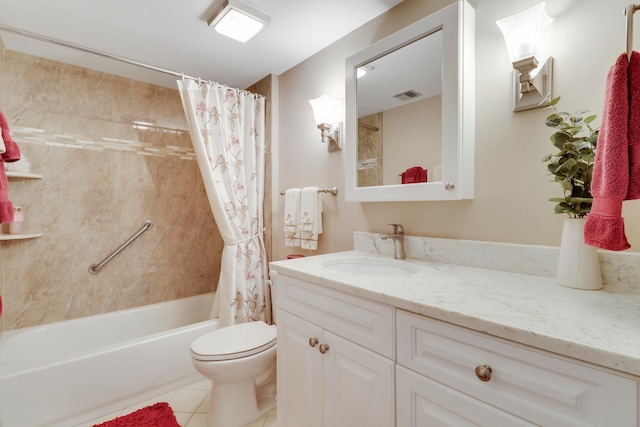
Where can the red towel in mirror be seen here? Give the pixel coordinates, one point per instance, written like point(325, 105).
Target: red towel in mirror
point(413, 175)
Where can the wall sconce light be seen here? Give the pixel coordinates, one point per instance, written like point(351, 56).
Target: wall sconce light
point(238, 20)
point(524, 35)
point(327, 114)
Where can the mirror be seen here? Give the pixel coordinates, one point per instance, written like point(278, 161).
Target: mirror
point(396, 102)
point(410, 112)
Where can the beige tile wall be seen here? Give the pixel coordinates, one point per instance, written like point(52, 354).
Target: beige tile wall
point(370, 150)
point(103, 177)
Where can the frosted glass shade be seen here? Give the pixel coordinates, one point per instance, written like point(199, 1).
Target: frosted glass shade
point(524, 33)
point(325, 110)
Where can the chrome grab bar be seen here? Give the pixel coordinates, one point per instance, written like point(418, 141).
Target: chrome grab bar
point(95, 268)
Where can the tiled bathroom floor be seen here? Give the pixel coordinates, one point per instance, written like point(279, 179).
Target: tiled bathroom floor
point(190, 405)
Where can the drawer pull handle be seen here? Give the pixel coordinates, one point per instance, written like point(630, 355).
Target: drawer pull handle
point(483, 373)
point(313, 342)
point(323, 348)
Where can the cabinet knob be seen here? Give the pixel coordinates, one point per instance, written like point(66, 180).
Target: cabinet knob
point(483, 372)
point(313, 342)
point(449, 186)
point(323, 348)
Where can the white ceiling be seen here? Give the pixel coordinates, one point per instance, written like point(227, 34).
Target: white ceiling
point(173, 34)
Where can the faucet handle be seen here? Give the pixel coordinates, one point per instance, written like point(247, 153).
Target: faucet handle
point(397, 228)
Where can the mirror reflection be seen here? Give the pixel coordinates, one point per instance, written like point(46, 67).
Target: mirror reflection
point(399, 108)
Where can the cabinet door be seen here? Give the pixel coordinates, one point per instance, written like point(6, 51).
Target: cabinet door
point(358, 385)
point(299, 373)
point(422, 402)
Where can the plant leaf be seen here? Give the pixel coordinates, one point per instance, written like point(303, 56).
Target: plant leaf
point(559, 209)
point(581, 200)
point(567, 165)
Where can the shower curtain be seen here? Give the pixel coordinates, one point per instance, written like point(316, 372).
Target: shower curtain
point(227, 130)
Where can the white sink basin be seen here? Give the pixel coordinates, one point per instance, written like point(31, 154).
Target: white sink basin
point(365, 266)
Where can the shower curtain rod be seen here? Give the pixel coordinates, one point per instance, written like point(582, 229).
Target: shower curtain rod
point(95, 52)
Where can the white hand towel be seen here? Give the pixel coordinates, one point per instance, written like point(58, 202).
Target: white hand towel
point(291, 217)
point(310, 218)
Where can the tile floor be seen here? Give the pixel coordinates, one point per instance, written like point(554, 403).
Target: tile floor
point(190, 405)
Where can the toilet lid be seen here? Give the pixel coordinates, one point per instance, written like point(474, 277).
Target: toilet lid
point(234, 342)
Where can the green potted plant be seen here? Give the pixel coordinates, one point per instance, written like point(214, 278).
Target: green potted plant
point(572, 165)
point(572, 168)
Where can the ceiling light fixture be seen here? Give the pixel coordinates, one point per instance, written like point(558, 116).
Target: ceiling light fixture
point(238, 20)
point(363, 70)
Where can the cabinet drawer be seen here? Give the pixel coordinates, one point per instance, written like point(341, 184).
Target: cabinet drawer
point(422, 402)
point(538, 387)
point(364, 322)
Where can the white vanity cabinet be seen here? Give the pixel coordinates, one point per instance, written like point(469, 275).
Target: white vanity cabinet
point(335, 358)
point(450, 376)
point(344, 360)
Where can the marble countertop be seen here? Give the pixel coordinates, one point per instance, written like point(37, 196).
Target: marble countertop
point(601, 327)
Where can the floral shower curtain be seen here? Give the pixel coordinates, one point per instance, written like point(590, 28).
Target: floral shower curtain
point(227, 130)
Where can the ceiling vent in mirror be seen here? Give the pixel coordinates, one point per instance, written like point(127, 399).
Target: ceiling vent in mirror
point(404, 96)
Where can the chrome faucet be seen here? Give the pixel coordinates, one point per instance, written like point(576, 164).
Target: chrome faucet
point(398, 240)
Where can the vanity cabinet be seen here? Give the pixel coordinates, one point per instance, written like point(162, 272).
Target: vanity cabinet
point(344, 360)
point(459, 377)
point(335, 366)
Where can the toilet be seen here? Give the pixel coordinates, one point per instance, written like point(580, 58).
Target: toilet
point(240, 361)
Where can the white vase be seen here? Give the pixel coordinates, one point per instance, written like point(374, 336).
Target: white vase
point(578, 264)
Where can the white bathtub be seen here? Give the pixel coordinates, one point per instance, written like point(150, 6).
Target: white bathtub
point(67, 373)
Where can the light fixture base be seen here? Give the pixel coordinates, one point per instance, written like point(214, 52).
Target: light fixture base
point(540, 88)
point(331, 136)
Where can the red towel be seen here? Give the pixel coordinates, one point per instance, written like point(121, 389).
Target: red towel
point(616, 171)
point(11, 155)
point(413, 175)
point(633, 192)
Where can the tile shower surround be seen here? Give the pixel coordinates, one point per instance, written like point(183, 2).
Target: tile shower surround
point(105, 172)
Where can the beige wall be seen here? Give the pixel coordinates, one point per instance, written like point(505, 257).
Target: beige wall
point(102, 179)
point(512, 186)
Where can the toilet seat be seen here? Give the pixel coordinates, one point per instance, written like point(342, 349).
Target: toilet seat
point(234, 342)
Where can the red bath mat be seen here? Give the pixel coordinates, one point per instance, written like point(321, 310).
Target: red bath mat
point(158, 415)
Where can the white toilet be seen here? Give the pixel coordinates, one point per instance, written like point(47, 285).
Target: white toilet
point(240, 361)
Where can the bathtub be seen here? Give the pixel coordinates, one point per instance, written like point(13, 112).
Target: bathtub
point(67, 373)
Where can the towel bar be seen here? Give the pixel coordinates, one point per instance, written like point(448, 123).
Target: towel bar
point(333, 190)
point(629, 11)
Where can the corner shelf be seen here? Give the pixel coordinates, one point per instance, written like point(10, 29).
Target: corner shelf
point(25, 175)
point(22, 236)
point(4, 236)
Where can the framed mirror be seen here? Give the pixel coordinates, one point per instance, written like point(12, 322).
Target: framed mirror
point(410, 112)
